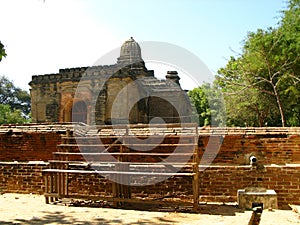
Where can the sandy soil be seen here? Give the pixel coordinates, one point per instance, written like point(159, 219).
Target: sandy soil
point(286, 217)
point(31, 209)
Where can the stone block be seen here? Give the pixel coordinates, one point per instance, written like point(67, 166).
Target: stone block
point(252, 196)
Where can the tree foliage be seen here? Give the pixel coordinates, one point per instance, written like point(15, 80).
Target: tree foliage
point(14, 101)
point(9, 116)
point(200, 101)
point(2, 51)
point(209, 105)
point(261, 84)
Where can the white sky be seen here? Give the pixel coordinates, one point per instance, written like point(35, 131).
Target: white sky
point(41, 37)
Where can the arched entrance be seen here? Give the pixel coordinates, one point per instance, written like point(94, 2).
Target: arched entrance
point(79, 112)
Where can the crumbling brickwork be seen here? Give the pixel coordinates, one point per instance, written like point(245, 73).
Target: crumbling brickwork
point(217, 183)
point(220, 183)
point(277, 166)
point(268, 149)
point(234, 149)
point(22, 177)
point(33, 146)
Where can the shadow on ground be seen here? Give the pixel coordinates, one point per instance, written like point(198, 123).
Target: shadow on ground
point(208, 208)
point(60, 218)
point(211, 209)
point(220, 209)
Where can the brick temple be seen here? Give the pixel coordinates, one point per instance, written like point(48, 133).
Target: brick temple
point(88, 94)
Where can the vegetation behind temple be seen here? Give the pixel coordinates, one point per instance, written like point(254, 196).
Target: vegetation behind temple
point(2, 51)
point(261, 85)
point(14, 103)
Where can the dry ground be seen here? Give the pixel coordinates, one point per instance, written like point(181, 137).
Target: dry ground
point(31, 209)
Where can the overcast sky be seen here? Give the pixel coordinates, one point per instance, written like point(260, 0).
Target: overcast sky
point(41, 37)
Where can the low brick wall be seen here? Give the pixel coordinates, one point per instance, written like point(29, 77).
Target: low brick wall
point(22, 177)
point(233, 149)
point(217, 183)
point(31, 146)
point(220, 183)
point(269, 148)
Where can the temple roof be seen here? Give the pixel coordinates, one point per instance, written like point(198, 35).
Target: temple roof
point(130, 52)
point(152, 84)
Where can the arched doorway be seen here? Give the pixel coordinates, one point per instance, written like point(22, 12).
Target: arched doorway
point(79, 112)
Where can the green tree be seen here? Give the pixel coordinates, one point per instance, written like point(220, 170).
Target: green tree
point(200, 102)
point(2, 51)
point(9, 116)
point(15, 102)
point(290, 27)
point(13, 96)
point(260, 85)
point(208, 103)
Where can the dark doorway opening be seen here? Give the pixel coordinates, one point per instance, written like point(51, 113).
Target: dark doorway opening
point(79, 112)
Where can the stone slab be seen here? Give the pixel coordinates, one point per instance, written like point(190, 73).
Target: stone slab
point(246, 197)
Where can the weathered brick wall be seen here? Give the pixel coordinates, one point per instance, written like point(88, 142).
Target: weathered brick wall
point(269, 149)
point(28, 146)
point(234, 150)
point(217, 183)
point(22, 177)
point(220, 183)
point(89, 184)
point(93, 184)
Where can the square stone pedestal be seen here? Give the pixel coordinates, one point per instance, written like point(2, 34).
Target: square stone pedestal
point(249, 197)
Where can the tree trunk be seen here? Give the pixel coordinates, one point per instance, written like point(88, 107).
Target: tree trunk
point(260, 119)
point(279, 106)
